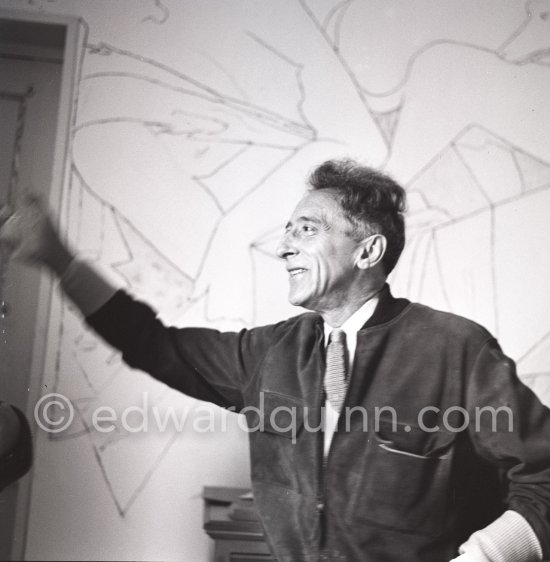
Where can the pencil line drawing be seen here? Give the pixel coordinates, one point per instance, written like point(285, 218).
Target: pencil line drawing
point(180, 177)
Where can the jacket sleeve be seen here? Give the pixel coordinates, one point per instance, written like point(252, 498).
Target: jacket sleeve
point(202, 363)
point(510, 427)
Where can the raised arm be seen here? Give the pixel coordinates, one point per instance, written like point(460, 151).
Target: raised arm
point(206, 364)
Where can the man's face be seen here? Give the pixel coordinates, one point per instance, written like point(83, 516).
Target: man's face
point(319, 254)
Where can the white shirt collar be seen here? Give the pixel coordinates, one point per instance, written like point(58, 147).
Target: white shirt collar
point(356, 321)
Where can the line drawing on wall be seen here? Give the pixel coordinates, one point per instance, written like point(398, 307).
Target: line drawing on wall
point(188, 214)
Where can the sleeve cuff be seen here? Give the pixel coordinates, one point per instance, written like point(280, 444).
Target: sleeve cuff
point(86, 287)
point(508, 539)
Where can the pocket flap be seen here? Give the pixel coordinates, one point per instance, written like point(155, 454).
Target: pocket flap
point(410, 439)
point(279, 414)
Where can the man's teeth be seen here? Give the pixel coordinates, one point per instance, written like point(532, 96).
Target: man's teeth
point(294, 272)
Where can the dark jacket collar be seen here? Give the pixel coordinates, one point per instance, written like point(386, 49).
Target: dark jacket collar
point(387, 308)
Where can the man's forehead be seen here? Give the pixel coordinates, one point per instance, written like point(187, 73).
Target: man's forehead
point(319, 203)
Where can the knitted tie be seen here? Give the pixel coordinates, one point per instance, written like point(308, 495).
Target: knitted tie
point(335, 377)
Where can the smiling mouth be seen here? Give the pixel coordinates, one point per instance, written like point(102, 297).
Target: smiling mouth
point(296, 271)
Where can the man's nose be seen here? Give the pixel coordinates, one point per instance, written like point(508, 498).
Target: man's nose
point(285, 247)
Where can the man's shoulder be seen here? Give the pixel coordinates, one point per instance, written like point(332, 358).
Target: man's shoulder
point(449, 323)
point(304, 321)
point(421, 319)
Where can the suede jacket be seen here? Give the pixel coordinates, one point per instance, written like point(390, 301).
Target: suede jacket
point(438, 439)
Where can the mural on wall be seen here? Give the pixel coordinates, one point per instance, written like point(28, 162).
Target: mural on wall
point(194, 131)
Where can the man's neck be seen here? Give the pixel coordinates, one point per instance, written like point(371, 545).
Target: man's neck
point(337, 316)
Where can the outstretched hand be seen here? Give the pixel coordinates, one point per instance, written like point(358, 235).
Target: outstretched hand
point(29, 235)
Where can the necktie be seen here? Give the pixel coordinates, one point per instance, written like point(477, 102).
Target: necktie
point(335, 377)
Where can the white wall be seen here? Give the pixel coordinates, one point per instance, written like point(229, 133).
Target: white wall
point(195, 125)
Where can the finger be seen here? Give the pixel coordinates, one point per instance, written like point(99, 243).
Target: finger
point(9, 230)
point(5, 214)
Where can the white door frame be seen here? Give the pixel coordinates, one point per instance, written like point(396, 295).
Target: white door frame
point(60, 176)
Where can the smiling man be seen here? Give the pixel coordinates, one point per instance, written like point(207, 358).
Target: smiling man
point(412, 437)
point(330, 260)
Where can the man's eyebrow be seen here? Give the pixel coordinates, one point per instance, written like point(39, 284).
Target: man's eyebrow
point(321, 221)
point(316, 220)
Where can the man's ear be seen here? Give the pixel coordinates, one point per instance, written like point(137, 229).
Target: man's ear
point(371, 251)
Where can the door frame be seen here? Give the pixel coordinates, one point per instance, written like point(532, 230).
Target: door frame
point(71, 66)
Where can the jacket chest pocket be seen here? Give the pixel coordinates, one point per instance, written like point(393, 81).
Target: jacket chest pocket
point(275, 426)
point(406, 480)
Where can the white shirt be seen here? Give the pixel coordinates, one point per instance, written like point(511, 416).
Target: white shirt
point(350, 327)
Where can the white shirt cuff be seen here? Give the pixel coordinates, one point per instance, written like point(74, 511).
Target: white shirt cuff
point(508, 539)
point(86, 287)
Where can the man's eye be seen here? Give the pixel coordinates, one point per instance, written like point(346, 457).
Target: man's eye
point(308, 229)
